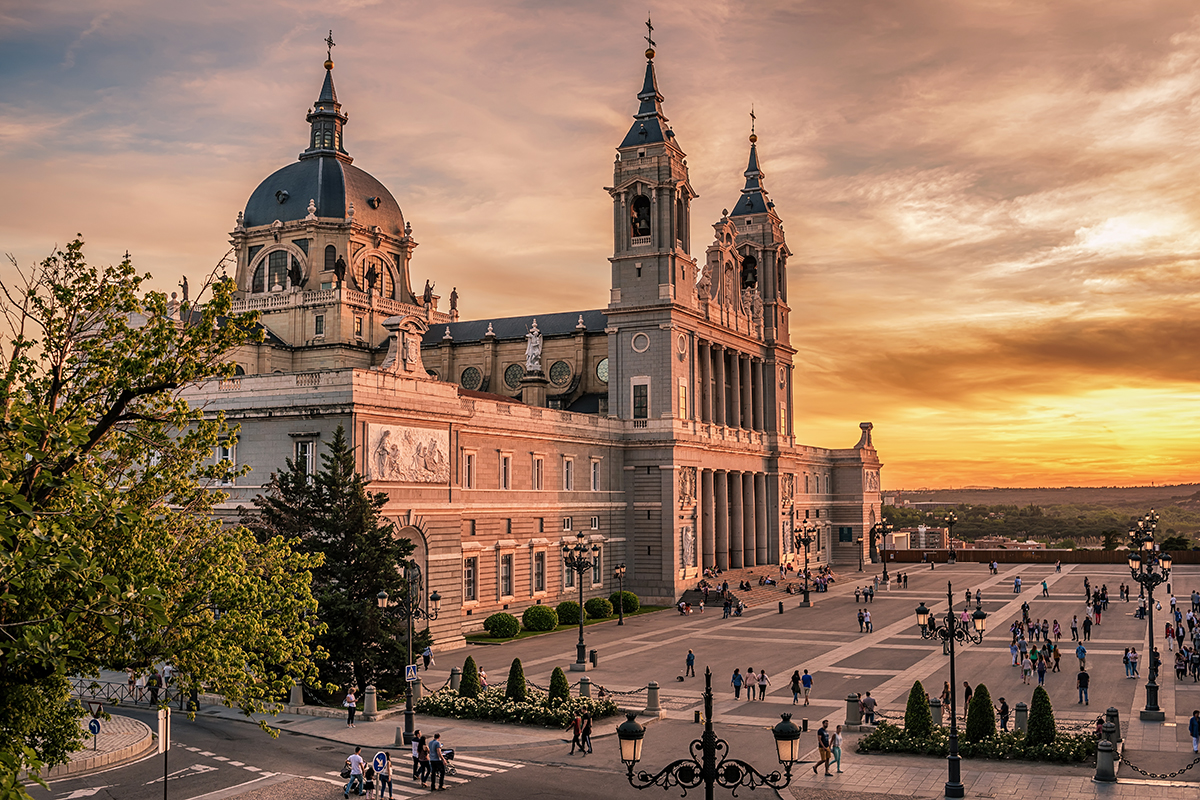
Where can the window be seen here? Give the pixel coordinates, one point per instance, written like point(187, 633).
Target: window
point(505, 472)
point(682, 399)
point(569, 579)
point(641, 400)
point(225, 453)
point(470, 575)
point(277, 269)
point(259, 283)
point(358, 326)
point(541, 524)
point(506, 575)
point(568, 475)
point(330, 257)
point(319, 325)
point(306, 456)
point(595, 476)
point(602, 370)
point(845, 534)
point(560, 373)
point(596, 573)
point(539, 472)
point(539, 572)
point(471, 379)
point(468, 477)
point(639, 216)
point(566, 523)
point(513, 374)
point(595, 523)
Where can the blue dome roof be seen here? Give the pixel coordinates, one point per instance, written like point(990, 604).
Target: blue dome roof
point(333, 185)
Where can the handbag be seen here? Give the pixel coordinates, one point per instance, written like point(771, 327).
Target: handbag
point(346, 772)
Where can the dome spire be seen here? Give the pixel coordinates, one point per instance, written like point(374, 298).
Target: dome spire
point(754, 199)
point(326, 117)
point(649, 123)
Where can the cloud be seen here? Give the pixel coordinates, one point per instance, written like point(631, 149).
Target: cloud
point(69, 56)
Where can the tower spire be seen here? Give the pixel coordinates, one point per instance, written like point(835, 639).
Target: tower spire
point(754, 199)
point(326, 117)
point(649, 123)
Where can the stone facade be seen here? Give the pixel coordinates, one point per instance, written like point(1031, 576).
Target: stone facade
point(660, 427)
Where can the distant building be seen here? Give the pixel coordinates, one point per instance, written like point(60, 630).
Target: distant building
point(1001, 543)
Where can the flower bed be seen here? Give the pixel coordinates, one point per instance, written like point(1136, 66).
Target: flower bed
point(1066, 747)
point(492, 705)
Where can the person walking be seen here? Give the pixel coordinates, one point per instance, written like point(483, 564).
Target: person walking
point(691, 665)
point(857, 594)
point(355, 763)
point(1081, 654)
point(824, 747)
point(1045, 589)
point(1194, 730)
point(836, 747)
point(736, 682)
point(1081, 681)
point(868, 704)
point(1015, 653)
point(576, 733)
point(437, 765)
point(1074, 627)
point(385, 776)
point(1056, 654)
point(1125, 661)
point(1087, 628)
point(806, 681)
point(867, 620)
point(427, 657)
point(946, 694)
point(763, 683)
point(585, 735)
point(861, 621)
point(1003, 711)
point(423, 758)
point(1057, 631)
point(1133, 662)
point(795, 687)
point(1026, 670)
point(1041, 671)
point(351, 704)
point(416, 754)
point(967, 692)
point(1045, 630)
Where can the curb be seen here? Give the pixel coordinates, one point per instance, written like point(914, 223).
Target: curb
point(113, 758)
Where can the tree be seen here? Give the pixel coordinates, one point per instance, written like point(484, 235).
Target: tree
point(918, 720)
point(468, 685)
point(1041, 718)
point(110, 557)
point(516, 689)
point(1111, 539)
point(981, 716)
point(331, 515)
point(559, 688)
point(1174, 544)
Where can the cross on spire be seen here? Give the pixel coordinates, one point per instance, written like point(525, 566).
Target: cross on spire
point(329, 44)
point(752, 118)
point(649, 32)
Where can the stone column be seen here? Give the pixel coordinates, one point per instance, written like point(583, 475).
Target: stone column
point(735, 389)
point(708, 546)
point(737, 519)
point(720, 480)
point(705, 398)
point(760, 423)
point(762, 546)
point(718, 394)
point(747, 394)
point(749, 533)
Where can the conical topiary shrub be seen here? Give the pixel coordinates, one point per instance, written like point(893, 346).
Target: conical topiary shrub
point(515, 688)
point(469, 685)
point(981, 716)
point(559, 688)
point(918, 721)
point(1041, 719)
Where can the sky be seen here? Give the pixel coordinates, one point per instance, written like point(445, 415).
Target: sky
point(992, 206)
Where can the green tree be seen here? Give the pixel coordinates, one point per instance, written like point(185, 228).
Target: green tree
point(469, 685)
point(981, 716)
point(559, 688)
point(1173, 544)
point(1041, 719)
point(110, 557)
point(331, 515)
point(1111, 539)
point(516, 689)
point(918, 720)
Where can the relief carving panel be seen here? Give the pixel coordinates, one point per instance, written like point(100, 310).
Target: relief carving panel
point(409, 455)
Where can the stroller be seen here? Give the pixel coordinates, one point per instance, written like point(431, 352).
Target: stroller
point(448, 755)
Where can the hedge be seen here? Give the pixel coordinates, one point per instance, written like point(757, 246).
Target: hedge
point(598, 608)
point(568, 612)
point(632, 603)
point(493, 704)
point(918, 720)
point(539, 618)
point(1041, 718)
point(469, 685)
point(981, 716)
point(1002, 745)
point(502, 625)
point(515, 689)
point(559, 688)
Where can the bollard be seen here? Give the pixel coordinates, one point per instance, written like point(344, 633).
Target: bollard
point(1105, 772)
point(804, 725)
point(297, 698)
point(455, 678)
point(370, 705)
point(1022, 718)
point(1110, 733)
point(416, 692)
point(696, 718)
point(1114, 716)
point(853, 712)
point(585, 686)
point(780, 606)
point(400, 738)
point(935, 710)
point(594, 657)
point(653, 709)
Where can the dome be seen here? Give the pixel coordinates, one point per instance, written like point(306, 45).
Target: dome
point(333, 185)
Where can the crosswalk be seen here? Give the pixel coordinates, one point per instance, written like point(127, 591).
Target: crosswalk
point(466, 768)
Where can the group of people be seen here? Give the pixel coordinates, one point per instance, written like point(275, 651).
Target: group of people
point(429, 757)
point(750, 680)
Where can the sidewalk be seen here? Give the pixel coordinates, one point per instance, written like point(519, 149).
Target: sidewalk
point(121, 739)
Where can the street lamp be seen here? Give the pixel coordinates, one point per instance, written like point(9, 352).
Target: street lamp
point(950, 520)
point(411, 607)
point(729, 773)
point(950, 631)
point(1149, 568)
point(804, 537)
point(619, 574)
point(878, 530)
point(579, 558)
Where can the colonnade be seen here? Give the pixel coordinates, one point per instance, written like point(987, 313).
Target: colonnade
point(732, 388)
point(733, 530)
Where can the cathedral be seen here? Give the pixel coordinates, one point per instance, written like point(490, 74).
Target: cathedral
point(658, 426)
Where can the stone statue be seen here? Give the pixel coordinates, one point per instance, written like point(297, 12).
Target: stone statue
point(295, 274)
point(533, 349)
point(704, 285)
point(454, 299)
point(184, 286)
point(427, 295)
point(372, 276)
point(339, 269)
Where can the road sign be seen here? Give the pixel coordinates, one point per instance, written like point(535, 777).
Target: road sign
point(94, 727)
point(164, 730)
point(96, 708)
point(410, 673)
point(379, 761)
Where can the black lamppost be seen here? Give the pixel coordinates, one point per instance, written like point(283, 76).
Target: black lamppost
point(950, 631)
point(951, 520)
point(619, 574)
point(578, 558)
point(804, 537)
point(879, 530)
point(411, 607)
point(702, 766)
point(1149, 568)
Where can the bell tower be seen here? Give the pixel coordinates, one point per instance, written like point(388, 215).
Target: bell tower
point(652, 199)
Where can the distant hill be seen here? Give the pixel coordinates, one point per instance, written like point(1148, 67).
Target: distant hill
point(1138, 497)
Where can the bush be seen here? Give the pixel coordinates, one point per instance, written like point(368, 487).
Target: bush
point(502, 626)
point(632, 603)
point(539, 618)
point(469, 685)
point(568, 612)
point(598, 608)
point(515, 689)
point(918, 720)
point(560, 690)
point(494, 705)
point(1002, 745)
point(981, 716)
point(1041, 718)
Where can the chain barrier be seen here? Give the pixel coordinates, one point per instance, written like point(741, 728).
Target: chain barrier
point(1118, 758)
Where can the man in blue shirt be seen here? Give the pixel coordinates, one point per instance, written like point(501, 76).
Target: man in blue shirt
point(1081, 654)
point(437, 767)
point(691, 665)
point(806, 682)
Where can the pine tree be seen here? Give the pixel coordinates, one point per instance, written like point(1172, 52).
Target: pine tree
point(918, 720)
point(1041, 718)
point(981, 716)
point(559, 688)
point(469, 685)
point(515, 689)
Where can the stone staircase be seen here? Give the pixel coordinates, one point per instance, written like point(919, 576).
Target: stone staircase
point(756, 596)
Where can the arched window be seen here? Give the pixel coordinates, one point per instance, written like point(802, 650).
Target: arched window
point(330, 257)
point(277, 263)
point(749, 271)
point(259, 283)
point(680, 220)
point(639, 218)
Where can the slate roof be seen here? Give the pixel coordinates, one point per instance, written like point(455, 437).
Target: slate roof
point(333, 184)
point(508, 328)
point(754, 198)
point(649, 124)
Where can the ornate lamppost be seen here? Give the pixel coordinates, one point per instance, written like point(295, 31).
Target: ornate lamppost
point(702, 767)
point(578, 558)
point(803, 538)
point(952, 630)
point(410, 605)
point(1149, 568)
point(950, 521)
point(879, 531)
point(619, 574)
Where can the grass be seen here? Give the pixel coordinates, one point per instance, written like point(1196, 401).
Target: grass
point(486, 638)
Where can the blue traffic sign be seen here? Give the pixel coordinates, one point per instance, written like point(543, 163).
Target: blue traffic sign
point(379, 761)
point(94, 726)
point(410, 673)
